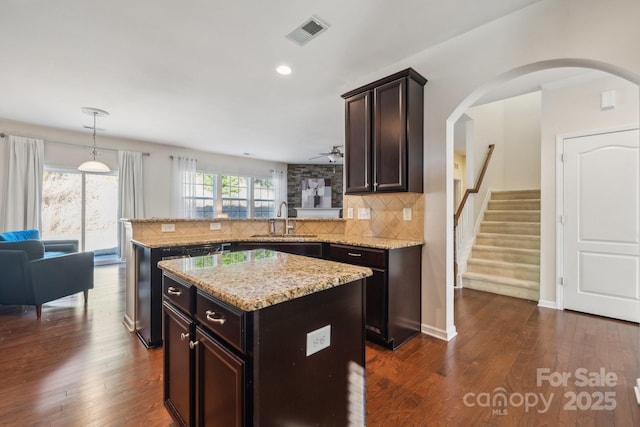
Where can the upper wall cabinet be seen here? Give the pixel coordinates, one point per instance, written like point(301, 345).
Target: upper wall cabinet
point(384, 131)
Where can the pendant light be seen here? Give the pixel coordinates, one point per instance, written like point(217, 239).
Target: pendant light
point(94, 165)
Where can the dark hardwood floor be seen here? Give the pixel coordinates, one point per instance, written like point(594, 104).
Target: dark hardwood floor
point(78, 367)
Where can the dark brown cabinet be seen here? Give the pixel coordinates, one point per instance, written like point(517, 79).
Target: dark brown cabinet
point(178, 365)
point(220, 381)
point(384, 135)
point(392, 294)
point(227, 367)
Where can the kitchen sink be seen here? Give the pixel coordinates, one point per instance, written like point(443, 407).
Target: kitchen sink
point(290, 236)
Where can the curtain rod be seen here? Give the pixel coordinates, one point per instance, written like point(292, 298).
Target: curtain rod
point(2, 135)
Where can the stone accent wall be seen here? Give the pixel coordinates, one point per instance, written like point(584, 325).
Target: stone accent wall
point(295, 173)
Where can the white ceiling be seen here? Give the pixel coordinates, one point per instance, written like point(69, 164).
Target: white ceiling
point(201, 73)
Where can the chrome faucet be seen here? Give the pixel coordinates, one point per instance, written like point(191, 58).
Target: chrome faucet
point(287, 227)
point(284, 203)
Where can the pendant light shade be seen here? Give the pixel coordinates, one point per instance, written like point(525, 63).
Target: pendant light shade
point(94, 165)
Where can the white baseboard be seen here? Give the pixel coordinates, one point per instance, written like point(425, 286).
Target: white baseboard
point(128, 323)
point(548, 304)
point(439, 333)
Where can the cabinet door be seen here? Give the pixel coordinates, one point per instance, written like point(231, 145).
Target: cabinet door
point(390, 137)
point(358, 143)
point(220, 384)
point(376, 303)
point(178, 365)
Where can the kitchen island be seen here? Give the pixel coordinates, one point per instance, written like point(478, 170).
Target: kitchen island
point(264, 338)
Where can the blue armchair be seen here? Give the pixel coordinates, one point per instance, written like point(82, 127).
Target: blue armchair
point(29, 278)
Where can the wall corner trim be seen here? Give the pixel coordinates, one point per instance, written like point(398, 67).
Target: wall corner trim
point(439, 333)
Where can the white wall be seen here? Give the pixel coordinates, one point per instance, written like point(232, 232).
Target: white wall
point(551, 33)
point(574, 106)
point(157, 166)
point(513, 125)
point(522, 142)
point(488, 128)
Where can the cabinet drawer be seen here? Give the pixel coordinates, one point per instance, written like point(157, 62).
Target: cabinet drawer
point(222, 319)
point(178, 294)
point(360, 256)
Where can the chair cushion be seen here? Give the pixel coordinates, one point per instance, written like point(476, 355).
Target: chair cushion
point(18, 236)
point(51, 254)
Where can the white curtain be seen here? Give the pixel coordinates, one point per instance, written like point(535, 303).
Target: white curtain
point(280, 188)
point(183, 178)
point(130, 192)
point(25, 169)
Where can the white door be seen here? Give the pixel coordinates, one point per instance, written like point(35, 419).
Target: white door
point(601, 235)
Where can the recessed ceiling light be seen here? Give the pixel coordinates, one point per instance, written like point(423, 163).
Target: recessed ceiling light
point(285, 70)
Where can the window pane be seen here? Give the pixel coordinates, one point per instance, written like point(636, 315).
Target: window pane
point(235, 200)
point(263, 198)
point(201, 195)
point(101, 213)
point(62, 206)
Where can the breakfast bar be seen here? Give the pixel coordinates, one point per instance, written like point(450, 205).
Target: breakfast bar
point(261, 337)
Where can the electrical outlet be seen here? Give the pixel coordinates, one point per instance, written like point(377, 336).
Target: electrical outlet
point(364, 213)
point(318, 340)
point(349, 213)
point(406, 214)
point(215, 226)
point(168, 228)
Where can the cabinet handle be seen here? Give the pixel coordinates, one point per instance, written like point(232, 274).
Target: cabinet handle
point(211, 313)
point(173, 291)
point(193, 344)
point(184, 336)
point(353, 254)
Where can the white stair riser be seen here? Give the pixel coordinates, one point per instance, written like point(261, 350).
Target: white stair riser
point(510, 256)
point(512, 216)
point(529, 229)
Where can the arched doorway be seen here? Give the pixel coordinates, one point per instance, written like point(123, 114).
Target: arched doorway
point(548, 244)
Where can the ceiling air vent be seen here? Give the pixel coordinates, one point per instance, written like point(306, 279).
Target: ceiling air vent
point(309, 29)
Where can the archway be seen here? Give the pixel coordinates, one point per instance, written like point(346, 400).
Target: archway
point(469, 101)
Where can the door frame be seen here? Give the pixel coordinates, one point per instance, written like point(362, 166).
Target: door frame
point(560, 138)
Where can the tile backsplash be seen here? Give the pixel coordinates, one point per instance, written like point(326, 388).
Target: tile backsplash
point(386, 215)
point(386, 220)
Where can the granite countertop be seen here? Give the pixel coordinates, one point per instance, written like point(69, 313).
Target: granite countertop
point(362, 241)
point(251, 280)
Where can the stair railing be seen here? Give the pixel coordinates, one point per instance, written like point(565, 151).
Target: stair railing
point(457, 241)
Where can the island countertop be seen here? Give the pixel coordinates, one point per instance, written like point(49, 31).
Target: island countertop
point(251, 280)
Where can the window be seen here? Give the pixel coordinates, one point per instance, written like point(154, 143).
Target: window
point(263, 198)
point(235, 196)
point(82, 206)
point(201, 194)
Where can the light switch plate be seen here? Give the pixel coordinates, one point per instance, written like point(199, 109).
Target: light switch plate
point(168, 228)
point(349, 213)
point(364, 213)
point(215, 226)
point(406, 214)
point(318, 340)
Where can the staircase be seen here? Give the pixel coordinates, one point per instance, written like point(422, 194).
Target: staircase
point(505, 258)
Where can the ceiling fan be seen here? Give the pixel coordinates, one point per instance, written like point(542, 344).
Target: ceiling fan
point(334, 155)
